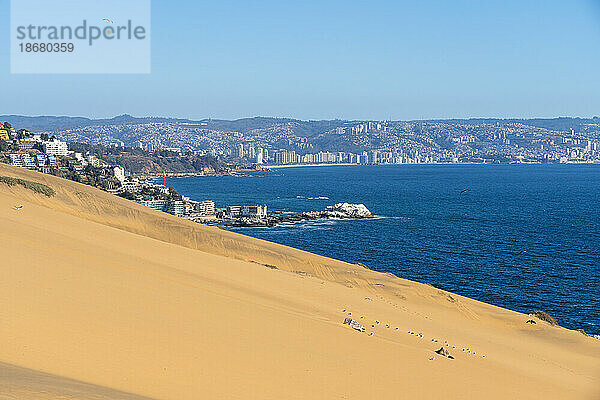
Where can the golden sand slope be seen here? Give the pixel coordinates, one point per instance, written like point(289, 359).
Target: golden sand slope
point(22, 383)
point(130, 301)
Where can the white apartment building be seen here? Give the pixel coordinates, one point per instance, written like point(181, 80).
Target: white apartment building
point(176, 207)
point(79, 157)
point(234, 211)
point(93, 160)
point(156, 204)
point(257, 212)
point(119, 173)
point(28, 161)
point(131, 185)
point(15, 160)
point(56, 147)
point(206, 207)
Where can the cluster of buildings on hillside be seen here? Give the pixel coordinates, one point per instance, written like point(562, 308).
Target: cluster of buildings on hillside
point(166, 199)
point(162, 198)
point(587, 152)
point(261, 155)
point(31, 150)
point(48, 160)
point(52, 156)
point(384, 142)
point(368, 142)
point(42, 162)
point(284, 157)
point(49, 155)
point(256, 212)
point(433, 142)
point(25, 140)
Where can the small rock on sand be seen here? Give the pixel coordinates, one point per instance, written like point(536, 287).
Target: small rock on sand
point(443, 352)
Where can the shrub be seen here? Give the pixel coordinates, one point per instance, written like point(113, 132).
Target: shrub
point(34, 186)
point(544, 316)
point(126, 195)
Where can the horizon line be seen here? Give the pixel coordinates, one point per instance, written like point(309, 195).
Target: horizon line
point(300, 119)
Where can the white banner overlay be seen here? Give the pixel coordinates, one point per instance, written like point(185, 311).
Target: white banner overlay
point(80, 37)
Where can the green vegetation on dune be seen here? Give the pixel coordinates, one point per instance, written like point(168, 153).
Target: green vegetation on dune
point(544, 316)
point(34, 186)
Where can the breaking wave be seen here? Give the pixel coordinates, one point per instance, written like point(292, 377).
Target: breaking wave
point(313, 198)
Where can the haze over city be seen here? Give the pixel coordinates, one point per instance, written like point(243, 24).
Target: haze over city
point(377, 60)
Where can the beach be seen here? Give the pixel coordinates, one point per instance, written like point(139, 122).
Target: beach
point(105, 297)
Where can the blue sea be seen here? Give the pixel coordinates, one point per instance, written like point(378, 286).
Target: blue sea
point(524, 237)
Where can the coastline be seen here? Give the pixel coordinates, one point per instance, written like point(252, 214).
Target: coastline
point(307, 165)
point(244, 171)
point(462, 163)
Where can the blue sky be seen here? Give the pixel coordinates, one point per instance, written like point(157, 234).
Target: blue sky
point(333, 59)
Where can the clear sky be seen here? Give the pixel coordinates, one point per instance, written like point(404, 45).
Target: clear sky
point(340, 59)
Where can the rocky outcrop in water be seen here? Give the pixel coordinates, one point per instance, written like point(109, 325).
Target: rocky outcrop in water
point(338, 211)
point(347, 210)
point(341, 210)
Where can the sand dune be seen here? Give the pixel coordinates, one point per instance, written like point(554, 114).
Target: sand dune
point(22, 383)
point(103, 297)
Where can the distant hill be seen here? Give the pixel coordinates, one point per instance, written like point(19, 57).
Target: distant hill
point(554, 124)
point(44, 123)
point(53, 123)
point(300, 127)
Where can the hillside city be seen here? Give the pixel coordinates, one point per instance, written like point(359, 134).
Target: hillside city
point(126, 157)
point(268, 141)
point(49, 155)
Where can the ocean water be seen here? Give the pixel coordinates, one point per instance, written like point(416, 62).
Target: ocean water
point(523, 237)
